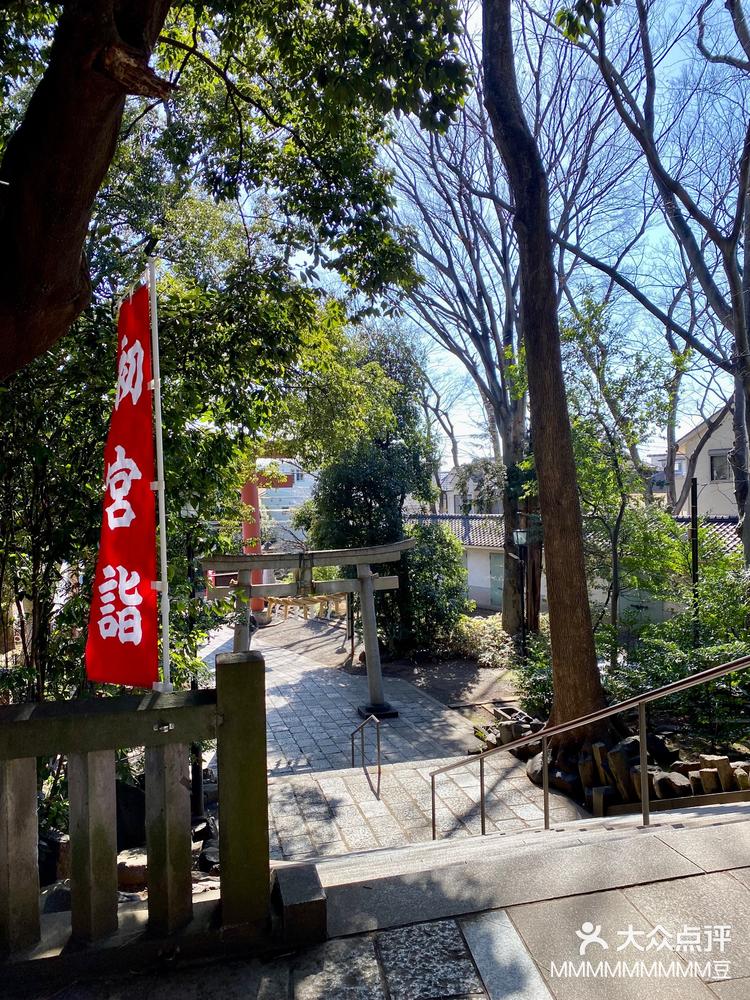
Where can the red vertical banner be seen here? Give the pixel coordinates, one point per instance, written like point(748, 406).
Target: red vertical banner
point(122, 645)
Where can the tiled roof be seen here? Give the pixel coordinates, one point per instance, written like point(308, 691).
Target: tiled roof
point(485, 531)
point(477, 531)
point(725, 528)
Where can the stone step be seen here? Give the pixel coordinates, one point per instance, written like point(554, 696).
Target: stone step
point(414, 858)
point(388, 888)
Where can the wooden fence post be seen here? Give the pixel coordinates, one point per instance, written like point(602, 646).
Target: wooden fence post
point(170, 886)
point(19, 860)
point(243, 789)
point(93, 844)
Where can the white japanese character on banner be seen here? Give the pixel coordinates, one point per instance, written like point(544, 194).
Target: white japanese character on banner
point(125, 623)
point(119, 478)
point(130, 373)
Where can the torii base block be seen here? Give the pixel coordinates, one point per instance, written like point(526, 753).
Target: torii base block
point(384, 711)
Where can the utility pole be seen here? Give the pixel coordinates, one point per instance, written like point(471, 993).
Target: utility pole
point(694, 557)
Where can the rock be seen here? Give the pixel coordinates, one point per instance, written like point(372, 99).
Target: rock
point(207, 828)
point(722, 767)
point(631, 745)
point(635, 777)
point(686, 766)
point(131, 815)
point(696, 784)
point(619, 766)
point(55, 898)
point(600, 797)
point(671, 785)
point(132, 870)
point(599, 750)
point(563, 781)
point(663, 754)
point(208, 860)
point(587, 770)
point(742, 777)
point(710, 779)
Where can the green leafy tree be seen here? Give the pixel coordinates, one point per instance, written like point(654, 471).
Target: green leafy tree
point(278, 97)
point(232, 357)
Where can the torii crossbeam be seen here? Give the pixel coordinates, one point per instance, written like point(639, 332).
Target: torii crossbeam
point(365, 584)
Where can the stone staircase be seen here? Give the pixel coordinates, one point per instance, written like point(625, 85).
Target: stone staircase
point(390, 887)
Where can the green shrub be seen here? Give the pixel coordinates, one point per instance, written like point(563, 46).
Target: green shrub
point(484, 640)
point(438, 590)
point(533, 677)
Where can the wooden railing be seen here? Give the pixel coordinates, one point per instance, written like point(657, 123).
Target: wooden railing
point(88, 732)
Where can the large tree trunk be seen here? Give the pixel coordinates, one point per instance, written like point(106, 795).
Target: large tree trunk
point(577, 685)
point(56, 161)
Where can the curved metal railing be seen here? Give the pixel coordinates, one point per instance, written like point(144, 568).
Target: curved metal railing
point(638, 701)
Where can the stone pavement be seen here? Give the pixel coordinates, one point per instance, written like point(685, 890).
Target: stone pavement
point(335, 812)
point(312, 711)
point(640, 942)
point(320, 805)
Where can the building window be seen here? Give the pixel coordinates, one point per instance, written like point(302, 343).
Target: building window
point(299, 476)
point(679, 467)
point(721, 471)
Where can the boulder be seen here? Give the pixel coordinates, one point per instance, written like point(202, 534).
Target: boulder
point(743, 778)
point(671, 785)
point(696, 783)
point(686, 766)
point(208, 860)
point(710, 779)
point(563, 781)
point(598, 798)
point(723, 769)
point(206, 828)
point(635, 777)
point(587, 770)
point(132, 870)
point(618, 760)
point(55, 898)
point(659, 749)
point(599, 750)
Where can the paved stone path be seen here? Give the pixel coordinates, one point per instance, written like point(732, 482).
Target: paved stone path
point(320, 805)
point(312, 710)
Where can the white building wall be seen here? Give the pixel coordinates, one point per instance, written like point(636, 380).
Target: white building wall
point(478, 566)
point(715, 498)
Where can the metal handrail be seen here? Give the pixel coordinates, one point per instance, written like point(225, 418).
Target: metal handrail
point(637, 701)
point(361, 730)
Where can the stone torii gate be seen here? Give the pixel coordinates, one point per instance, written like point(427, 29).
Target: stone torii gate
point(365, 584)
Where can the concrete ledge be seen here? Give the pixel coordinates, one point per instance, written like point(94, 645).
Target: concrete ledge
point(299, 902)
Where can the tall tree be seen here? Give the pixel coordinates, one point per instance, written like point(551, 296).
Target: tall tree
point(577, 684)
point(454, 206)
point(689, 121)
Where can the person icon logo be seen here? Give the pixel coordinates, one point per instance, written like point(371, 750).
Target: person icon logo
point(590, 934)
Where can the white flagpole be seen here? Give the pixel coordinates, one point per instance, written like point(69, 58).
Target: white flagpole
point(165, 684)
